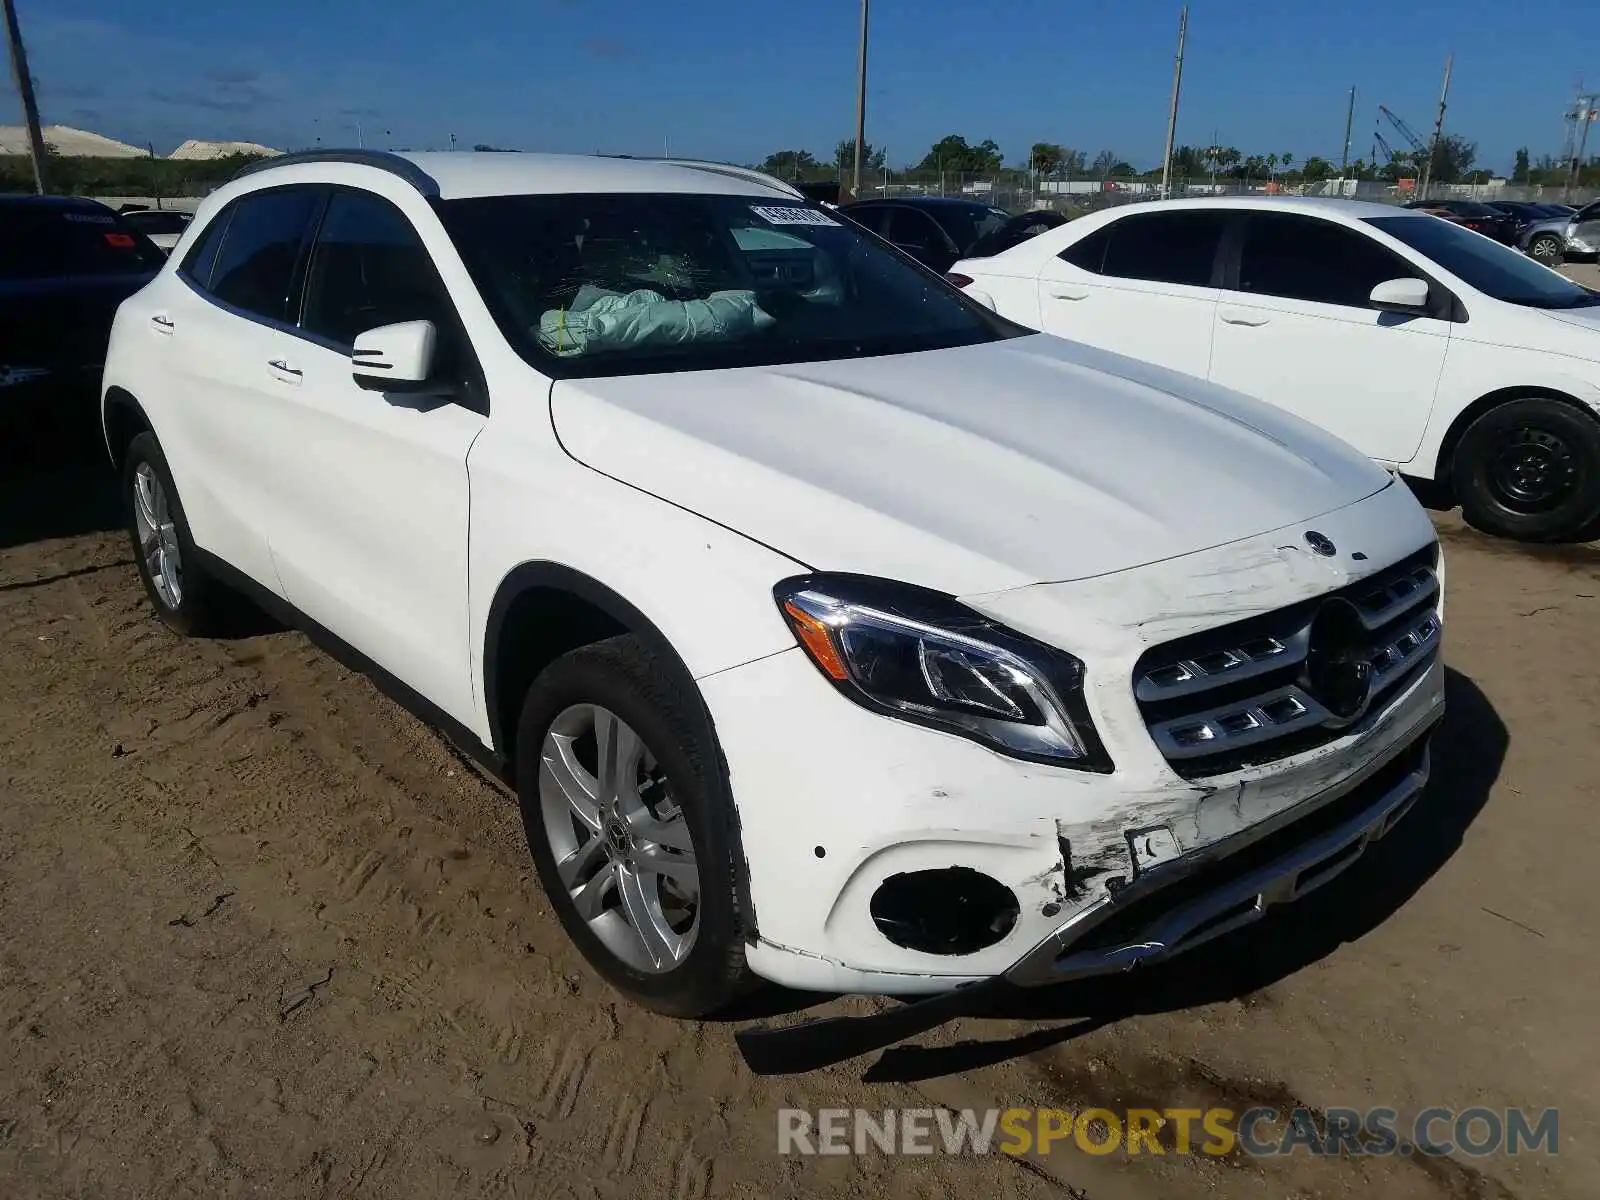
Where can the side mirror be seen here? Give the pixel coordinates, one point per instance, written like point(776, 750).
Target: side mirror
point(394, 358)
point(1400, 295)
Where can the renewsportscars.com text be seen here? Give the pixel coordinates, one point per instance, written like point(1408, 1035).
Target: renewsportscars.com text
point(1258, 1132)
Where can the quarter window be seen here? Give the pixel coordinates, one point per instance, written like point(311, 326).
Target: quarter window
point(255, 266)
point(1306, 258)
point(200, 260)
point(370, 268)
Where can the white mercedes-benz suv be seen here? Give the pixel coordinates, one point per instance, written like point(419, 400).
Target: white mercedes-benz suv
point(831, 628)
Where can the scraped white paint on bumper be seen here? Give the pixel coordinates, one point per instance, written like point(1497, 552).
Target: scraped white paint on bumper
point(833, 799)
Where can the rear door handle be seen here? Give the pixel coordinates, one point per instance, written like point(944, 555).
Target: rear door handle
point(162, 323)
point(1252, 320)
point(283, 372)
point(1070, 293)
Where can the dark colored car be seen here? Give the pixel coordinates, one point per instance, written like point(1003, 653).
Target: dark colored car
point(65, 266)
point(1522, 212)
point(163, 226)
point(1014, 232)
point(934, 230)
point(823, 191)
point(1471, 214)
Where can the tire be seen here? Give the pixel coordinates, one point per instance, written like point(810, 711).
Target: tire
point(1548, 249)
point(1530, 469)
point(191, 602)
point(691, 962)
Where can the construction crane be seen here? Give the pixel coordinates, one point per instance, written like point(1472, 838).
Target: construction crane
point(1418, 155)
point(1391, 155)
point(1405, 131)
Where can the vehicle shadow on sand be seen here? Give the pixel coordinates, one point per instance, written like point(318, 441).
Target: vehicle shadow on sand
point(1468, 751)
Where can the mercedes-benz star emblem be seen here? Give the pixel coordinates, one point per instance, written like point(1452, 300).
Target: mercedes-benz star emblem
point(1337, 672)
point(1321, 544)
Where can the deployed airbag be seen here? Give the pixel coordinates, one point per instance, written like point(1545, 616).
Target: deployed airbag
point(600, 320)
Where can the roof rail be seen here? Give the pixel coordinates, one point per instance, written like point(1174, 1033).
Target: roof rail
point(720, 168)
point(396, 165)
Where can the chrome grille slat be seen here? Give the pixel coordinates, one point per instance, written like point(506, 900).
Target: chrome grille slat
point(1400, 603)
point(1383, 604)
point(1186, 676)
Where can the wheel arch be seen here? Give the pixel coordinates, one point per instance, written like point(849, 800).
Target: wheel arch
point(542, 610)
point(122, 419)
point(1485, 403)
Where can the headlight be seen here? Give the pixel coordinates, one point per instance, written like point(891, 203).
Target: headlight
point(924, 657)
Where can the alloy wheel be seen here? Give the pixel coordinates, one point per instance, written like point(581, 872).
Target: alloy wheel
point(621, 844)
point(158, 536)
point(1545, 250)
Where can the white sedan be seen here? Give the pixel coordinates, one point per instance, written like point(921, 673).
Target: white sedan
point(1430, 348)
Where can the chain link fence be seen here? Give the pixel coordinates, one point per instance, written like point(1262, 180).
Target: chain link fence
point(1017, 190)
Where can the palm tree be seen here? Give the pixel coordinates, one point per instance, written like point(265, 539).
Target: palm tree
point(1272, 166)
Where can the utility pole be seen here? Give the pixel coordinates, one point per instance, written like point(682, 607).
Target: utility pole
point(30, 105)
point(1582, 114)
point(1172, 117)
point(1587, 117)
point(861, 105)
point(1438, 130)
point(1349, 122)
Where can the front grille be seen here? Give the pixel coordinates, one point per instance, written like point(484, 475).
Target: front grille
point(1257, 690)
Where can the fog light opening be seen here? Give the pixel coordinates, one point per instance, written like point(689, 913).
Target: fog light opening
point(954, 910)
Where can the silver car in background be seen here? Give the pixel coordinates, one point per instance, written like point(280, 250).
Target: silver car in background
point(1554, 241)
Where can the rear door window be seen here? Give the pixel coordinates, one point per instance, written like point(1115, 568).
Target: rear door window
point(915, 230)
point(1165, 247)
point(256, 264)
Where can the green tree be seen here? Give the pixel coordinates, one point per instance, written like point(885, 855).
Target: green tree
point(1103, 164)
point(1047, 158)
point(790, 164)
point(1188, 162)
point(872, 158)
point(1453, 159)
point(1316, 169)
point(951, 153)
point(1520, 172)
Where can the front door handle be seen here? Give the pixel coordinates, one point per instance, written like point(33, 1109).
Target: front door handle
point(1070, 293)
point(284, 372)
point(1252, 320)
point(162, 323)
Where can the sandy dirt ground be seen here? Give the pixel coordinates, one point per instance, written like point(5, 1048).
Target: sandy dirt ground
point(264, 934)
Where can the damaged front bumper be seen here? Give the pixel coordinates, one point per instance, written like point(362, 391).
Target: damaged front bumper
point(1189, 901)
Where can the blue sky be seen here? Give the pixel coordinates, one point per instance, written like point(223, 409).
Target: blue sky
point(735, 81)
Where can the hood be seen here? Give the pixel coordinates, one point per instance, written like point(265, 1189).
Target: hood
point(1579, 318)
point(968, 470)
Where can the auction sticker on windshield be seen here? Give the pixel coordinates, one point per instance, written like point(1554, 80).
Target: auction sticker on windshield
point(792, 215)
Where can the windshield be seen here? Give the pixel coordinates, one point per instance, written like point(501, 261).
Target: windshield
point(48, 241)
point(625, 283)
point(1493, 269)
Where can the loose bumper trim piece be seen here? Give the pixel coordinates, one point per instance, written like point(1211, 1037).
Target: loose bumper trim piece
point(1238, 897)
